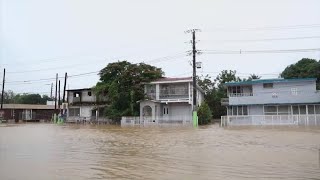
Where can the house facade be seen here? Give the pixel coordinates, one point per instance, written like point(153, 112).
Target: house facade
point(84, 106)
point(272, 102)
point(168, 101)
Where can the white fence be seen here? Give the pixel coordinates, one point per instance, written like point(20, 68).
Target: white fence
point(81, 119)
point(173, 120)
point(304, 120)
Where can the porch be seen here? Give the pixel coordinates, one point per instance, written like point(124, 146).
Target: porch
point(297, 120)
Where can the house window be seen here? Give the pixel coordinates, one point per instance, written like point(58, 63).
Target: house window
point(311, 109)
point(165, 110)
point(238, 110)
point(294, 91)
point(76, 94)
point(74, 111)
point(89, 93)
point(267, 85)
point(270, 110)
point(284, 110)
point(303, 109)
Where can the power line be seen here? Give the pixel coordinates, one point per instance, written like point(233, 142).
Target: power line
point(157, 60)
point(269, 28)
point(267, 39)
point(258, 51)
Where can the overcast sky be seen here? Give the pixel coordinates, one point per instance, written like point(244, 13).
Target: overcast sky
point(40, 37)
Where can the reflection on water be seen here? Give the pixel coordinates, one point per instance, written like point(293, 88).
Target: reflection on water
point(45, 151)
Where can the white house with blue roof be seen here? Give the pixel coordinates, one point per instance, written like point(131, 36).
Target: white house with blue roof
point(272, 102)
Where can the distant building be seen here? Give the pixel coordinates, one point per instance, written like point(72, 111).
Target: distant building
point(272, 102)
point(26, 112)
point(168, 101)
point(83, 105)
point(50, 103)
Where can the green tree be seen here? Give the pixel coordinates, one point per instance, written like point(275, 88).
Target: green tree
point(204, 114)
point(206, 83)
point(305, 68)
point(215, 90)
point(252, 77)
point(122, 84)
point(11, 98)
point(226, 76)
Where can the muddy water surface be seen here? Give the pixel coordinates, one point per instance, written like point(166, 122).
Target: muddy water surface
point(46, 151)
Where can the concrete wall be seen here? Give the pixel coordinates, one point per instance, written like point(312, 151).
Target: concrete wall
point(280, 93)
point(84, 96)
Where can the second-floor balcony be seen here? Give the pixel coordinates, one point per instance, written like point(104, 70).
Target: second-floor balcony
point(166, 95)
point(178, 94)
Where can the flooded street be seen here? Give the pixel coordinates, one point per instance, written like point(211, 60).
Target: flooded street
point(46, 151)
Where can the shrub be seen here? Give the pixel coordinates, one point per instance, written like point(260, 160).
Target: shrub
point(204, 114)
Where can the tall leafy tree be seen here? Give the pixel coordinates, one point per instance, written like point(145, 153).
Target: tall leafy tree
point(305, 68)
point(11, 98)
point(215, 90)
point(123, 85)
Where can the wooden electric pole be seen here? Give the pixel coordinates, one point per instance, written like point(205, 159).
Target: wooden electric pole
point(55, 97)
point(64, 87)
point(59, 96)
point(51, 91)
point(3, 81)
point(194, 77)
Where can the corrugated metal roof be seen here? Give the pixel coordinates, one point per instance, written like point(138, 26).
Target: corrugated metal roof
point(278, 80)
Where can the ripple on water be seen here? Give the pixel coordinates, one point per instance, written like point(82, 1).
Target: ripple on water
point(112, 152)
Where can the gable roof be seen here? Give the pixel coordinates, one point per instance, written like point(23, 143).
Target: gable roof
point(277, 80)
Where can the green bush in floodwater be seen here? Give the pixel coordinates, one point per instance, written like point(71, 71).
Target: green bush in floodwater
point(204, 114)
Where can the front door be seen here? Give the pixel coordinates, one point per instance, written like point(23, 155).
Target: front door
point(165, 112)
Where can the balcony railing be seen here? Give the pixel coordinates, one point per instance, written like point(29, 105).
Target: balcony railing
point(174, 96)
point(240, 94)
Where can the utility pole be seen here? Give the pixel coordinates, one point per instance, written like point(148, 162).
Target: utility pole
point(3, 81)
point(51, 91)
point(64, 87)
point(59, 96)
point(194, 76)
point(55, 97)
point(194, 80)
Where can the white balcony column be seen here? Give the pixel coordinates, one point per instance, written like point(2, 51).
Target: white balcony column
point(157, 91)
point(189, 94)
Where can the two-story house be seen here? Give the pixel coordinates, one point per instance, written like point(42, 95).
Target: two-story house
point(272, 102)
point(169, 100)
point(84, 106)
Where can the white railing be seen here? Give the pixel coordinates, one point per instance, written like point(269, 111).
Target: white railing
point(305, 120)
point(239, 94)
point(130, 120)
point(160, 120)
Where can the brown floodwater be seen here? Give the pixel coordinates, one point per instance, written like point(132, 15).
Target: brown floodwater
point(47, 151)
